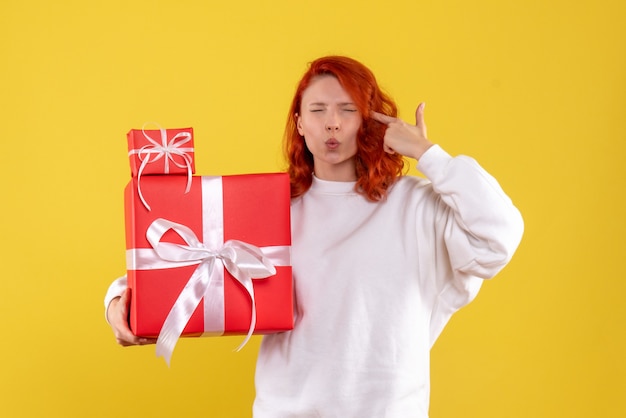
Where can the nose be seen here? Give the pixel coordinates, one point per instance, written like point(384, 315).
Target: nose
point(332, 123)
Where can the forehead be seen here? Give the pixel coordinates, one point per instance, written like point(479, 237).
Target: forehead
point(325, 89)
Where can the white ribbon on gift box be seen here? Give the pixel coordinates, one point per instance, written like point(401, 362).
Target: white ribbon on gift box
point(243, 261)
point(154, 151)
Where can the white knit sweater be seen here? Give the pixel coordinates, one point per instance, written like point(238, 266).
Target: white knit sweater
point(375, 285)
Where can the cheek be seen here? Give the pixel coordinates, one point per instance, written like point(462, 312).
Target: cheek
point(356, 128)
point(307, 145)
point(306, 126)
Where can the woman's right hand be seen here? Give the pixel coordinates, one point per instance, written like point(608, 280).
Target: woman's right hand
point(117, 315)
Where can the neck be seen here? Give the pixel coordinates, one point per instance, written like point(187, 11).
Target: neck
point(342, 172)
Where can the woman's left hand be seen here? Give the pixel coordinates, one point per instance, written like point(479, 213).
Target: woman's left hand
point(403, 138)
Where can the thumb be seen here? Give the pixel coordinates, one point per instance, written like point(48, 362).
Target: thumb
point(419, 118)
point(419, 114)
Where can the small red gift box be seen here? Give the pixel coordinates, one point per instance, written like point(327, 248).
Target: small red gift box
point(161, 151)
point(217, 256)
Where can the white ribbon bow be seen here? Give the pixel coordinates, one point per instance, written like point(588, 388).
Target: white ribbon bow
point(244, 262)
point(154, 151)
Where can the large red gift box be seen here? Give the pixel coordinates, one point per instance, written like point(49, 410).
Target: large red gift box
point(161, 151)
point(253, 209)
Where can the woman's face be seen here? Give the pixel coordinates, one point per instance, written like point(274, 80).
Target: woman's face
point(329, 122)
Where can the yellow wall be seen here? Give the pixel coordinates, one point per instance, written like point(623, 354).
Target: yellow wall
point(536, 90)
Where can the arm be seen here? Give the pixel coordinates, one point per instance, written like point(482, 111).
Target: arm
point(483, 227)
point(117, 307)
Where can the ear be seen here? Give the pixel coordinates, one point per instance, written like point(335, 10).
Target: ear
point(299, 124)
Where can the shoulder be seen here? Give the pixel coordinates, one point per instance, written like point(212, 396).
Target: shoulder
point(410, 191)
point(409, 184)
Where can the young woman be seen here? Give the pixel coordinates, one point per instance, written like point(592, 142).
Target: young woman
point(381, 260)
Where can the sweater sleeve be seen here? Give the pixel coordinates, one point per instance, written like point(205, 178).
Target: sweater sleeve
point(483, 227)
point(115, 290)
point(477, 231)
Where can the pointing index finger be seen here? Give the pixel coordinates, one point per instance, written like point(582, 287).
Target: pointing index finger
point(382, 118)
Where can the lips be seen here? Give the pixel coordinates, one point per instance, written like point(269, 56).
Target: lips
point(332, 143)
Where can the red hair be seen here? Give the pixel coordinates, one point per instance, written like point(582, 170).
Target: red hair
point(376, 170)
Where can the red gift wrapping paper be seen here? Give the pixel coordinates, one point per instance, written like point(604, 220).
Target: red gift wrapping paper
point(161, 151)
point(255, 210)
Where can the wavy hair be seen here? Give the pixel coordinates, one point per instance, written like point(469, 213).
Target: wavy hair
point(376, 170)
